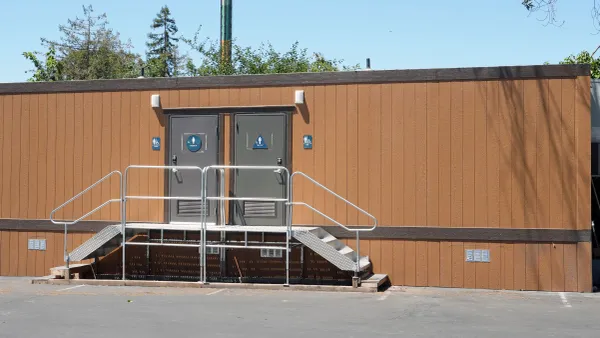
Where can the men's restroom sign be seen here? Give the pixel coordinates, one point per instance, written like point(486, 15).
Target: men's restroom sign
point(194, 143)
point(307, 140)
point(260, 143)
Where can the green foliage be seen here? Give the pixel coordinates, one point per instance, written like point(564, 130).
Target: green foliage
point(49, 70)
point(585, 58)
point(262, 60)
point(88, 49)
point(162, 56)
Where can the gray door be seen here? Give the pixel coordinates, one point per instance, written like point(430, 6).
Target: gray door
point(260, 140)
point(194, 141)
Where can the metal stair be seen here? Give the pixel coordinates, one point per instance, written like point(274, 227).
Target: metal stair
point(315, 238)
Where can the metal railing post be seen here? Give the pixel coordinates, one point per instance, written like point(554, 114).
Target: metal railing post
point(124, 217)
point(288, 235)
point(67, 258)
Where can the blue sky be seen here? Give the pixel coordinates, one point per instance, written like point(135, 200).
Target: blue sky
point(395, 34)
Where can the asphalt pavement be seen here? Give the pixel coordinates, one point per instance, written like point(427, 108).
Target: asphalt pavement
point(29, 310)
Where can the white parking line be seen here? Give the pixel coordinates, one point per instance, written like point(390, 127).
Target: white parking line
point(215, 292)
point(73, 287)
point(564, 299)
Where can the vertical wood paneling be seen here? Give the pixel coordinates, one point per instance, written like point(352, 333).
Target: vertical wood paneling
point(398, 268)
point(409, 156)
point(445, 126)
point(33, 134)
point(42, 164)
point(470, 270)
point(543, 159)
point(96, 150)
point(125, 144)
point(18, 243)
point(508, 266)
point(8, 176)
point(570, 259)
point(133, 181)
point(69, 176)
point(78, 156)
point(480, 149)
point(374, 153)
point(482, 271)
point(555, 188)
point(421, 154)
point(532, 105)
point(341, 141)
point(558, 267)
point(410, 263)
point(106, 147)
point(116, 149)
point(329, 150)
point(17, 116)
point(532, 267)
point(456, 154)
point(309, 155)
point(87, 151)
point(363, 150)
point(5, 253)
point(493, 155)
point(375, 254)
point(397, 153)
point(61, 138)
point(505, 134)
point(584, 267)
point(433, 263)
point(468, 166)
point(545, 266)
point(2, 160)
point(320, 131)
point(582, 143)
point(25, 161)
point(31, 256)
point(387, 169)
point(446, 264)
point(51, 155)
point(517, 191)
point(421, 263)
point(520, 266)
point(144, 150)
point(568, 154)
point(387, 257)
point(458, 259)
point(432, 157)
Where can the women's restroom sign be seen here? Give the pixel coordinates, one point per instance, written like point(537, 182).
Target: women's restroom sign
point(307, 140)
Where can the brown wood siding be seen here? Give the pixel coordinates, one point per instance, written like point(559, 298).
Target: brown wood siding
point(17, 260)
point(495, 153)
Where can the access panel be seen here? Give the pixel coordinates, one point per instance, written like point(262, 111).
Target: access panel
point(260, 140)
point(194, 141)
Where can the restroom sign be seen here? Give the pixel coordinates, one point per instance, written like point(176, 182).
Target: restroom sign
point(193, 143)
point(307, 140)
point(156, 143)
point(260, 143)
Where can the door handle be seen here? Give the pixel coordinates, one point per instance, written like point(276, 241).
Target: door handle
point(279, 172)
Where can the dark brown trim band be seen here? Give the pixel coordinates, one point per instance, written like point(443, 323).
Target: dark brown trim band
point(230, 109)
point(468, 234)
point(303, 79)
point(382, 232)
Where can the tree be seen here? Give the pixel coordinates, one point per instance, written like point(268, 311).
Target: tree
point(89, 50)
point(585, 57)
point(163, 54)
point(262, 60)
point(49, 70)
point(548, 8)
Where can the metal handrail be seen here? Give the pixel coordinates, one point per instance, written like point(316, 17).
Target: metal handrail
point(221, 168)
point(66, 224)
point(83, 192)
point(125, 198)
point(375, 223)
point(355, 230)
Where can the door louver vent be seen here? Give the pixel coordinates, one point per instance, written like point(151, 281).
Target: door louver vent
point(259, 209)
point(190, 208)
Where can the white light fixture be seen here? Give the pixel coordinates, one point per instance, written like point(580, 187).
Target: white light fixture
point(155, 101)
point(299, 97)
